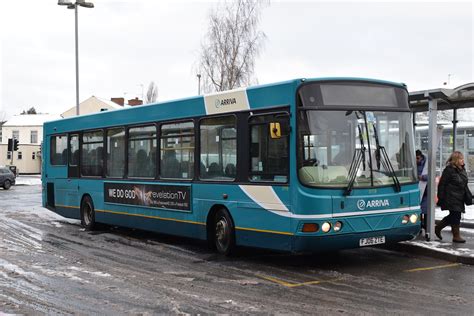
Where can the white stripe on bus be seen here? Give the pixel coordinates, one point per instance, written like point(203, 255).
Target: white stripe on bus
point(346, 214)
point(264, 196)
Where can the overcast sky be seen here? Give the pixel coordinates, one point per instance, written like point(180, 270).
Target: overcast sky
point(125, 44)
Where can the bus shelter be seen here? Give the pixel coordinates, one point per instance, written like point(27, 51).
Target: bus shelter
point(444, 122)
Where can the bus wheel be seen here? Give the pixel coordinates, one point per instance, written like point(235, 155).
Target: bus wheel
point(87, 213)
point(224, 237)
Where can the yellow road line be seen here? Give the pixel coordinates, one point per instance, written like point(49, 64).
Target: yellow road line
point(452, 265)
point(291, 284)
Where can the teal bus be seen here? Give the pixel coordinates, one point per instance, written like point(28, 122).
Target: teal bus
point(305, 165)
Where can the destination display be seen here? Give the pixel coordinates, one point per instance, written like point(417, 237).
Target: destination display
point(150, 195)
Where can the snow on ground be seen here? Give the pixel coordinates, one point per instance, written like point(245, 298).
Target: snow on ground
point(28, 180)
point(467, 217)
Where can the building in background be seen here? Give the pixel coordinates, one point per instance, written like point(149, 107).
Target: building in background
point(92, 105)
point(28, 129)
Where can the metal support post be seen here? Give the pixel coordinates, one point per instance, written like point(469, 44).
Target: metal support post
point(432, 144)
point(455, 127)
point(77, 62)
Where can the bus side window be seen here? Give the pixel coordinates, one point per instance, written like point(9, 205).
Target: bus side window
point(141, 145)
point(218, 138)
point(177, 150)
point(92, 153)
point(58, 154)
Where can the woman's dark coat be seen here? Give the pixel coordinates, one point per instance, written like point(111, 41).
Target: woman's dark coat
point(451, 188)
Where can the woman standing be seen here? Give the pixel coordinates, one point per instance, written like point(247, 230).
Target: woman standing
point(452, 195)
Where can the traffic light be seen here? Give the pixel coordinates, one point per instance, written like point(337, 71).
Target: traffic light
point(15, 144)
point(10, 144)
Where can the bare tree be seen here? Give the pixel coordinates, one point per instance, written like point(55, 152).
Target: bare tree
point(152, 93)
point(228, 53)
point(31, 110)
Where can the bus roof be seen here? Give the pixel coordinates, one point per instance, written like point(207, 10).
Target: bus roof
point(252, 97)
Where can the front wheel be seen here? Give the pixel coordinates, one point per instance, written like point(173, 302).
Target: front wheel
point(7, 184)
point(224, 232)
point(87, 213)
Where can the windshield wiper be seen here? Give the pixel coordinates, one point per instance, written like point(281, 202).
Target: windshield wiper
point(361, 137)
point(356, 160)
point(388, 166)
point(382, 156)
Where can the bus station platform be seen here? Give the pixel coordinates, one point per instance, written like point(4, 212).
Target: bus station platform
point(445, 249)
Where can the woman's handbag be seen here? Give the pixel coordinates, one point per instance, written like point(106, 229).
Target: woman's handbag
point(467, 196)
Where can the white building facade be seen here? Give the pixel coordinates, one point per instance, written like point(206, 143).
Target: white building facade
point(28, 130)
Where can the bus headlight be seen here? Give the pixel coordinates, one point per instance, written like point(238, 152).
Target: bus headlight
point(405, 219)
point(337, 226)
point(413, 218)
point(325, 227)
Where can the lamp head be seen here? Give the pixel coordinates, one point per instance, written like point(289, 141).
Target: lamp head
point(85, 4)
point(64, 2)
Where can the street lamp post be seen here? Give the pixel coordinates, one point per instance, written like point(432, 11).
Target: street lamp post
point(74, 5)
point(199, 83)
point(141, 85)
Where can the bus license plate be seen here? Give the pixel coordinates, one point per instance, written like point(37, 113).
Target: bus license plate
point(372, 241)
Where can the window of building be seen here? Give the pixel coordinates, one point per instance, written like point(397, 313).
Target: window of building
point(9, 155)
point(92, 153)
point(20, 155)
point(58, 154)
point(34, 137)
point(218, 143)
point(74, 150)
point(177, 150)
point(142, 152)
point(116, 152)
point(268, 156)
point(16, 135)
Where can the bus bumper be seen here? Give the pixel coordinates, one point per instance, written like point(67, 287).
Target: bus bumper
point(351, 240)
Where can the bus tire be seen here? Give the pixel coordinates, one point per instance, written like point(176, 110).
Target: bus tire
point(87, 213)
point(7, 184)
point(224, 232)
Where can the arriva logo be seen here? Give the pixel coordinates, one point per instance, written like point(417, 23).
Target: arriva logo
point(362, 205)
point(220, 103)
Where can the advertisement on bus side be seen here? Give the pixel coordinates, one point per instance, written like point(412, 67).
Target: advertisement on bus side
point(150, 195)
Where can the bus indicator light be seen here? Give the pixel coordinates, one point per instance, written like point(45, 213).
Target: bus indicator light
point(405, 219)
point(413, 218)
point(310, 228)
point(337, 226)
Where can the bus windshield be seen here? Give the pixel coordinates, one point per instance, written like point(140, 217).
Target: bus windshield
point(350, 148)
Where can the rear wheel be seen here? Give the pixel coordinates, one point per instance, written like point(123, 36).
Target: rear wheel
point(224, 232)
point(7, 184)
point(87, 213)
